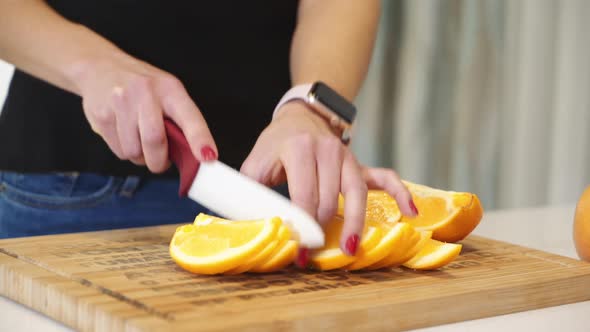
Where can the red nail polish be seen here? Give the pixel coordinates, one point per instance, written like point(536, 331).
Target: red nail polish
point(302, 258)
point(413, 207)
point(352, 244)
point(207, 153)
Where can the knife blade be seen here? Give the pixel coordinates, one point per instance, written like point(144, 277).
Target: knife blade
point(234, 196)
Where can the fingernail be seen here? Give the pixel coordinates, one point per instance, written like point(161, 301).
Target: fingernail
point(352, 244)
point(207, 153)
point(302, 258)
point(413, 207)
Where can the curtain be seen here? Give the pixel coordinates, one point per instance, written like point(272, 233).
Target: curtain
point(490, 97)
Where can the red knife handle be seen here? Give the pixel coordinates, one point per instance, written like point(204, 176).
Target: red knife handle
point(179, 152)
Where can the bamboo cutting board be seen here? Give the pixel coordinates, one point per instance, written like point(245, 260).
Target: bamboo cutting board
point(125, 281)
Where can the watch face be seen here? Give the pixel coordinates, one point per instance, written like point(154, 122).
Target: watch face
point(324, 94)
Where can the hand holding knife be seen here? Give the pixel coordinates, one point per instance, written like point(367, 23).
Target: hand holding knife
point(232, 195)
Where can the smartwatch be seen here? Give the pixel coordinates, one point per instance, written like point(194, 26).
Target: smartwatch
point(335, 109)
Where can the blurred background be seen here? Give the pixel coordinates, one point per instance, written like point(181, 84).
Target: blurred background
point(491, 97)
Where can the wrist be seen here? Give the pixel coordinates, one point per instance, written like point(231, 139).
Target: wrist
point(299, 109)
point(89, 61)
point(79, 72)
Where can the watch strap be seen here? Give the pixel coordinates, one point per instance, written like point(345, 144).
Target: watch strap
point(297, 92)
point(337, 121)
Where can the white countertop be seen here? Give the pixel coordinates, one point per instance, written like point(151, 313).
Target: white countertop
point(548, 229)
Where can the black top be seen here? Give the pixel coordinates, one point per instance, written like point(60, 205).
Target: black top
point(232, 56)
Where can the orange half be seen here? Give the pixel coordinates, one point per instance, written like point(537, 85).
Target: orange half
point(451, 216)
point(380, 207)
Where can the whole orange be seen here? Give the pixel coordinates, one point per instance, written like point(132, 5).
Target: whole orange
point(582, 226)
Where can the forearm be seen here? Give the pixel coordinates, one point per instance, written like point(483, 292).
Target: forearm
point(40, 42)
point(333, 42)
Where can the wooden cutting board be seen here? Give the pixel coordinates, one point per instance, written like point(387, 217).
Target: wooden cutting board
point(125, 281)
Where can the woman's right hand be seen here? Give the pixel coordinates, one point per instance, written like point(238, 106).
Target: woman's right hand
point(125, 101)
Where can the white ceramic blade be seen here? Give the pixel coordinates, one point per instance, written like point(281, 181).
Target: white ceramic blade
point(234, 196)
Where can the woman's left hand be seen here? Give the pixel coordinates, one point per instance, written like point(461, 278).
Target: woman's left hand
point(299, 147)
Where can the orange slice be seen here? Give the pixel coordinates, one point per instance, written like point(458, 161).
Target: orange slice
point(282, 257)
point(392, 237)
point(266, 254)
point(209, 247)
point(380, 207)
point(434, 255)
point(255, 260)
point(330, 257)
point(202, 219)
point(408, 239)
point(425, 236)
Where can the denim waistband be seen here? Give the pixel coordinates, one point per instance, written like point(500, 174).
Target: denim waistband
point(70, 183)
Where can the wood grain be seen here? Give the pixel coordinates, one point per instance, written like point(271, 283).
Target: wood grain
point(125, 281)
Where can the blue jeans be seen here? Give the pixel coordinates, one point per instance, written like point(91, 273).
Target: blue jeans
point(39, 204)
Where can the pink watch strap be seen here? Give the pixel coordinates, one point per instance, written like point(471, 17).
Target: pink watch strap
point(296, 92)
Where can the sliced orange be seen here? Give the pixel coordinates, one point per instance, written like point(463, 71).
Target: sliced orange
point(209, 247)
point(380, 207)
point(405, 246)
point(282, 257)
point(216, 245)
point(255, 260)
point(265, 254)
point(392, 237)
point(204, 219)
point(433, 255)
point(425, 236)
point(331, 257)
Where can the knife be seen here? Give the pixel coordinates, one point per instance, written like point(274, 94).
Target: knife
point(234, 196)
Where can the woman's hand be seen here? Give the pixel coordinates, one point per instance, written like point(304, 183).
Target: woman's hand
point(299, 147)
point(125, 101)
